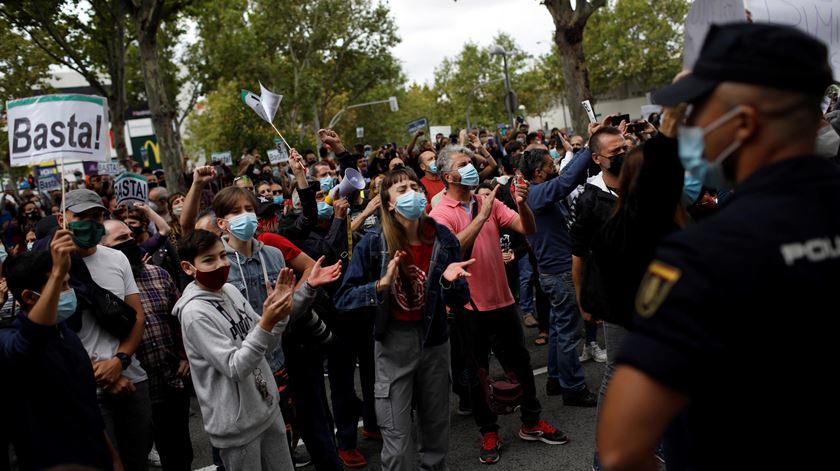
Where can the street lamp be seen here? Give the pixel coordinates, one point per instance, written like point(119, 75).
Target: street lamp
point(510, 97)
point(392, 102)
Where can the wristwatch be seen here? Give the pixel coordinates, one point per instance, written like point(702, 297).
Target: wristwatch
point(125, 360)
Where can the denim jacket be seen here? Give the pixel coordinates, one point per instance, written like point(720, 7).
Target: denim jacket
point(369, 264)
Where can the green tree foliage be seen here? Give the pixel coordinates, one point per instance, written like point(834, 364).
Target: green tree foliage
point(635, 43)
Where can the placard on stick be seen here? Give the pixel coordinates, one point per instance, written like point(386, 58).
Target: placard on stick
point(131, 187)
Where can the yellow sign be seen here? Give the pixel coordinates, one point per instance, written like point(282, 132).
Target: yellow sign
point(656, 285)
point(155, 152)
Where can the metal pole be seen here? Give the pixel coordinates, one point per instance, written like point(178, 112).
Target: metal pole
point(507, 86)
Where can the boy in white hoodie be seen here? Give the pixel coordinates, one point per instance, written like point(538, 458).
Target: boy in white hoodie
point(226, 343)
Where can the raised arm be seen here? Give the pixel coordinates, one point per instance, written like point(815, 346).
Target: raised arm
point(192, 202)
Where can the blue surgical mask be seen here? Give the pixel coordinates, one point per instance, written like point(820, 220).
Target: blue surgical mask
point(278, 199)
point(243, 226)
point(692, 146)
point(29, 245)
point(691, 190)
point(327, 183)
point(66, 305)
point(411, 205)
point(325, 211)
point(276, 172)
point(469, 176)
point(433, 168)
point(554, 154)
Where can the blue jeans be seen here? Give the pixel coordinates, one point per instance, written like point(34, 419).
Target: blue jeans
point(563, 332)
point(526, 285)
point(614, 335)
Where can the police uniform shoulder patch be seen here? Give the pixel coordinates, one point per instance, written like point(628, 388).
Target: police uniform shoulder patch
point(655, 286)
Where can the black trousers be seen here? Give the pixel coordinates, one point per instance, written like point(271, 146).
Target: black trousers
point(172, 430)
point(501, 331)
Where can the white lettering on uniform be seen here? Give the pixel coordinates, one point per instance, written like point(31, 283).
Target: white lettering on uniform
point(814, 250)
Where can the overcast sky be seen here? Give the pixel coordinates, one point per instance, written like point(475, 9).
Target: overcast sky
point(434, 29)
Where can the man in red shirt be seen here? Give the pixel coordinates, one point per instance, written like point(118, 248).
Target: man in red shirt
point(492, 319)
point(431, 181)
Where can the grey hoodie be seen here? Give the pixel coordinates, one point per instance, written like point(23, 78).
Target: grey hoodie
point(226, 349)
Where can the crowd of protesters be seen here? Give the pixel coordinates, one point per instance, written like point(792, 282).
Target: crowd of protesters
point(263, 280)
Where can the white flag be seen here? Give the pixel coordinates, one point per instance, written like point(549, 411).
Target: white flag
point(265, 104)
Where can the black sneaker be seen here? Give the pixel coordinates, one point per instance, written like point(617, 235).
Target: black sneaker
point(552, 387)
point(300, 456)
point(490, 447)
point(543, 432)
point(581, 398)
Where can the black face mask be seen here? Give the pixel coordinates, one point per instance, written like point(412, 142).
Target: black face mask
point(616, 162)
point(132, 251)
point(33, 215)
point(137, 231)
point(152, 185)
point(594, 169)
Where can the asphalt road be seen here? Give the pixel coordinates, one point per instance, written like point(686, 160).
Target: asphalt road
point(578, 423)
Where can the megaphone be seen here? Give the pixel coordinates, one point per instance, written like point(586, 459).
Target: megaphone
point(353, 181)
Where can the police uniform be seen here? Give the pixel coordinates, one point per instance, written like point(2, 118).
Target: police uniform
point(738, 313)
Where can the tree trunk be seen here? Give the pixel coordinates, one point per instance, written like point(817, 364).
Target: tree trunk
point(163, 114)
point(575, 74)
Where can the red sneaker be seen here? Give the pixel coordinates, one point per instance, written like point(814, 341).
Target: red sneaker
point(352, 458)
point(490, 447)
point(543, 432)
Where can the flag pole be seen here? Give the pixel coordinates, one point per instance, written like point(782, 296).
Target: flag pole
point(63, 218)
point(284, 141)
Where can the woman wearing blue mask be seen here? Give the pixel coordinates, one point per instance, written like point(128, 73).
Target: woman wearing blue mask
point(407, 271)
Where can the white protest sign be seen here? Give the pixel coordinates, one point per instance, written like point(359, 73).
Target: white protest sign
point(279, 154)
point(109, 168)
point(590, 112)
point(647, 110)
point(48, 179)
point(360, 133)
point(131, 187)
point(52, 127)
point(445, 130)
point(819, 18)
point(704, 13)
point(223, 157)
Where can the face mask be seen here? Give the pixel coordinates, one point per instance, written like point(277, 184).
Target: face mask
point(131, 251)
point(411, 205)
point(276, 172)
point(325, 211)
point(152, 185)
point(828, 141)
point(692, 146)
point(327, 184)
point(243, 226)
point(469, 176)
point(691, 190)
point(278, 199)
point(616, 162)
point(367, 153)
point(87, 233)
point(213, 280)
point(520, 140)
point(554, 154)
point(433, 168)
point(177, 211)
point(137, 231)
point(66, 305)
point(29, 245)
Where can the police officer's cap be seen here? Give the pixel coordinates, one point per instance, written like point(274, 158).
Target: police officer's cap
point(758, 54)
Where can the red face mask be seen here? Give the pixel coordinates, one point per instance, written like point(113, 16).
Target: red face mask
point(213, 280)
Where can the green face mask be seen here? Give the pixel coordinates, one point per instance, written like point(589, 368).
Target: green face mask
point(86, 234)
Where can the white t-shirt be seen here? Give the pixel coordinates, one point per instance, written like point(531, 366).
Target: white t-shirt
point(110, 269)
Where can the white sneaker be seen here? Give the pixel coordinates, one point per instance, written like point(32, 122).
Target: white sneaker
point(154, 458)
point(598, 354)
point(586, 354)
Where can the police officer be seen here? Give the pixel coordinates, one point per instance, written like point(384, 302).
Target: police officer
point(713, 365)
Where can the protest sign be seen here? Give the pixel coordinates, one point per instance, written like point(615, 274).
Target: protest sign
point(58, 127)
point(416, 125)
point(647, 110)
point(223, 157)
point(109, 168)
point(590, 112)
point(48, 179)
point(445, 130)
point(131, 188)
point(819, 18)
point(265, 104)
point(279, 154)
point(360, 133)
point(703, 14)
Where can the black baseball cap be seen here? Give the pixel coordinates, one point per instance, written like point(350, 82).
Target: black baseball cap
point(761, 54)
point(266, 207)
